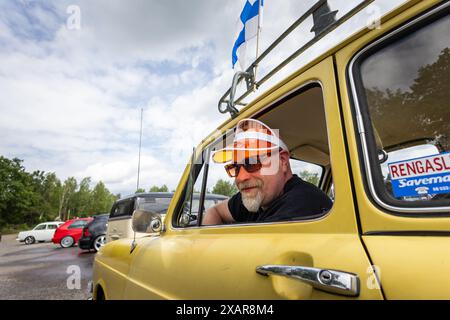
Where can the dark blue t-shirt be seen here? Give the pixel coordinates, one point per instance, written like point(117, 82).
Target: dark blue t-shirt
point(300, 199)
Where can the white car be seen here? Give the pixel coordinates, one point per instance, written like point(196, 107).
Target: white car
point(42, 232)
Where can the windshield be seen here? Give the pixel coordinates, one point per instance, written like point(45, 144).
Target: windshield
point(153, 204)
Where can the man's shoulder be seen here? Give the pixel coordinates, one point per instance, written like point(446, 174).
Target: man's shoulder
point(304, 195)
point(297, 184)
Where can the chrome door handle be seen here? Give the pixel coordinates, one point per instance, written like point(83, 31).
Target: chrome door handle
point(332, 281)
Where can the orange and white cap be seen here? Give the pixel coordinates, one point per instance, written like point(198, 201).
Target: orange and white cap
point(252, 138)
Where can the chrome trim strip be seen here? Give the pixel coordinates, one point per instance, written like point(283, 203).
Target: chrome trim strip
point(360, 123)
point(118, 218)
point(255, 224)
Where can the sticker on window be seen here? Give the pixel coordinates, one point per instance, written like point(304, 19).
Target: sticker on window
point(421, 176)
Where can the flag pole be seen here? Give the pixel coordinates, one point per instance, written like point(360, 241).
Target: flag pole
point(257, 41)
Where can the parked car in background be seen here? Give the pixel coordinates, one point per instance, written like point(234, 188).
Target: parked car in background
point(70, 232)
point(94, 233)
point(119, 225)
point(42, 232)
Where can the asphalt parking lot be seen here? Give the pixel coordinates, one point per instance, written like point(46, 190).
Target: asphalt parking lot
point(43, 271)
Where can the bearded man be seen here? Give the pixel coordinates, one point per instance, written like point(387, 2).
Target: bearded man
point(268, 191)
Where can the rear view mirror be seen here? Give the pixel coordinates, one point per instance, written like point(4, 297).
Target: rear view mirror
point(146, 221)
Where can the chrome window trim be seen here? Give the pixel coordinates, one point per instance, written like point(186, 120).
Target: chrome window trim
point(360, 123)
point(256, 224)
point(118, 218)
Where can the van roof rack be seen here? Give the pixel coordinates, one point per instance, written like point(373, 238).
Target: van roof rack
point(324, 22)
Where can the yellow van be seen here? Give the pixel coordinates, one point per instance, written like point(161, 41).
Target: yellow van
point(370, 120)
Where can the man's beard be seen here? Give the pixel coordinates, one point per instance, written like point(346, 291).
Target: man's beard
point(252, 202)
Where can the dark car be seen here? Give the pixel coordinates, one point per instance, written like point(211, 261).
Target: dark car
point(94, 233)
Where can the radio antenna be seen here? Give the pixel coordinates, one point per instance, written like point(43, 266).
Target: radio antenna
point(139, 159)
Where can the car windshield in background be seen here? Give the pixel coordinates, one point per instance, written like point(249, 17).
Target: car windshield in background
point(154, 204)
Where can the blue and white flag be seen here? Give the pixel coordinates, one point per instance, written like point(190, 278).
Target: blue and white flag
point(250, 22)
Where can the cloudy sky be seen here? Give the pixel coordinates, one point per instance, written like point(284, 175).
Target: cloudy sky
point(74, 76)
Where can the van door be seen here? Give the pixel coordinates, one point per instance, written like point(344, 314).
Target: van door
point(395, 86)
point(119, 223)
point(247, 261)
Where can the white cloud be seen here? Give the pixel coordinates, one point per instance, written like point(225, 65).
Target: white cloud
point(71, 99)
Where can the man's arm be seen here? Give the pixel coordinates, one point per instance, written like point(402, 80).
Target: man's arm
point(218, 214)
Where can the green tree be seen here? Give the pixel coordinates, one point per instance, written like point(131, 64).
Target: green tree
point(37, 205)
point(82, 198)
point(29, 198)
point(225, 188)
point(311, 177)
point(17, 195)
point(47, 188)
point(422, 107)
point(102, 200)
point(163, 188)
point(140, 190)
point(51, 192)
point(67, 198)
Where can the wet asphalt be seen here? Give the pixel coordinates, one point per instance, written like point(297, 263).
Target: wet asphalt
point(43, 271)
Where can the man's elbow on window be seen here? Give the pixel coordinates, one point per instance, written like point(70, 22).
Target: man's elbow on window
point(212, 216)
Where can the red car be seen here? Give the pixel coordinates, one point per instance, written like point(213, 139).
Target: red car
point(70, 232)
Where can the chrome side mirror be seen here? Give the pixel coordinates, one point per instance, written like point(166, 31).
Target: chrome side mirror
point(185, 219)
point(382, 156)
point(146, 221)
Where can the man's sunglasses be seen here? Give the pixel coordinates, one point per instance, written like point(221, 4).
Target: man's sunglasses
point(250, 165)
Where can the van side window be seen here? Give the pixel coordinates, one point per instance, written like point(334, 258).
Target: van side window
point(309, 172)
point(187, 215)
point(154, 204)
point(78, 224)
point(122, 208)
point(197, 192)
point(300, 119)
point(404, 99)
